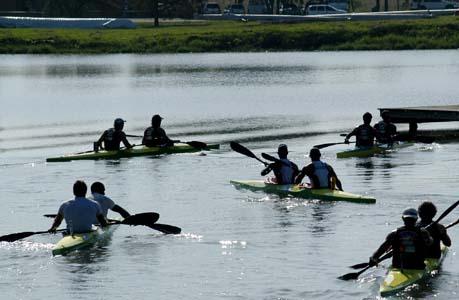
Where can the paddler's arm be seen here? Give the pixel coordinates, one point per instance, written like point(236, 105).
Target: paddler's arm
point(125, 141)
point(121, 211)
point(57, 221)
point(348, 136)
point(99, 141)
point(302, 174)
point(102, 220)
point(382, 249)
point(444, 237)
point(333, 175)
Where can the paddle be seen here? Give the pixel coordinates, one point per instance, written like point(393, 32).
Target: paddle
point(321, 146)
point(145, 219)
point(389, 254)
point(194, 144)
point(244, 151)
point(164, 228)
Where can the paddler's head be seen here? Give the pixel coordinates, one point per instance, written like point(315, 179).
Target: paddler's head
point(427, 211)
point(385, 116)
point(282, 151)
point(367, 118)
point(156, 121)
point(410, 216)
point(98, 187)
point(80, 188)
point(118, 124)
point(315, 154)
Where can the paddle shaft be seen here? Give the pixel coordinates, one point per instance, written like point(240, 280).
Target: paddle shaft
point(244, 151)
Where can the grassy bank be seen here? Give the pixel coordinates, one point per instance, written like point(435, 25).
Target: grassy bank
point(438, 33)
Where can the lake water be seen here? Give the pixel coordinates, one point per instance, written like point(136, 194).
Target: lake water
point(235, 244)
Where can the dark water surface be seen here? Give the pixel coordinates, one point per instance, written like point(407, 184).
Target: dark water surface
point(235, 244)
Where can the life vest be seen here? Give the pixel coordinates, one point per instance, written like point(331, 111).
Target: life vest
point(365, 136)
point(409, 249)
point(111, 140)
point(287, 171)
point(321, 176)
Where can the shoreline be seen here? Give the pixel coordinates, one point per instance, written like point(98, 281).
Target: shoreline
point(236, 36)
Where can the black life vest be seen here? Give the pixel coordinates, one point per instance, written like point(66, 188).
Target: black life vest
point(409, 249)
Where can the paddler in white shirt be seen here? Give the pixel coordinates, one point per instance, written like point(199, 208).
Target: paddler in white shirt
point(79, 213)
point(98, 195)
point(321, 175)
point(284, 169)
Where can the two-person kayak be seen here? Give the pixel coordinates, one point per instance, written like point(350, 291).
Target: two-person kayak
point(397, 279)
point(301, 191)
point(369, 151)
point(135, 151)
point(78, 241)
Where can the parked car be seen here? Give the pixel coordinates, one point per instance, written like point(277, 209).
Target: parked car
point(257, 7)
point(237, 9)
point(433, 4)
point(323, 9)
point(289, 9)
point(211, 8)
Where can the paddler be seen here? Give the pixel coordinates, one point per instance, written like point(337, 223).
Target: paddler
point(364, 134)
point(79, 213)
point(386, 129)
point(284, 169)
point(98, 195)
point(155, 136)
point(321, 175)
point(113, 137)
point(409, 244)
point(427, 211)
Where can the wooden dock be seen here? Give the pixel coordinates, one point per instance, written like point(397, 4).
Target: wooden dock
point(423, 114)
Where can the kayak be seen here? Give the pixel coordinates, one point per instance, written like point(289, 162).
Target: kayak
point(368, 151)
point(77, 241)
point(397, 280)
point(139, 150)
point(301, 191)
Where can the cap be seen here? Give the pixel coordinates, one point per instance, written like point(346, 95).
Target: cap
point(410, 213)
point(119, 121)
point(155, 117)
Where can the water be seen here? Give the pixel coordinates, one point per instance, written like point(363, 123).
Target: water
point(235, 244)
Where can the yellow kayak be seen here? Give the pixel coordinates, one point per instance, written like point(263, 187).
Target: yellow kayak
point(301, 191)
point(397, 280)
point(369, 151)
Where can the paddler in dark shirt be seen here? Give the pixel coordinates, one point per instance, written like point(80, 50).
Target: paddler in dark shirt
point(321, 175)
point(364, 134)
point(427, 211)
point(284, 169)
point(409, 244)
point(113, 137)
point(386, 130)
point(155, 136)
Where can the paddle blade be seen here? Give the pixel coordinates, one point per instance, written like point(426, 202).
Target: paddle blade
point(50, 215)
point(145, 219)
point(359, 266)
point(16, 236)
point(166, 229)
point(197, 145)
point(350, 276)
point(241, 149)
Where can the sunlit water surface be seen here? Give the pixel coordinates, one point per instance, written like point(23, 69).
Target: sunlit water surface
point(235, 244)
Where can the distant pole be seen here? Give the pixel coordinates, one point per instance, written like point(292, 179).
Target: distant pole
point(386, 5)
point(156, 12)
point(125, 8)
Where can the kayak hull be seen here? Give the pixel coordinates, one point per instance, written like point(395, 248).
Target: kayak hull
point(301, 191)
point(397, 280)
point(135, 151)
point(73, 242)
point(369, 151)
